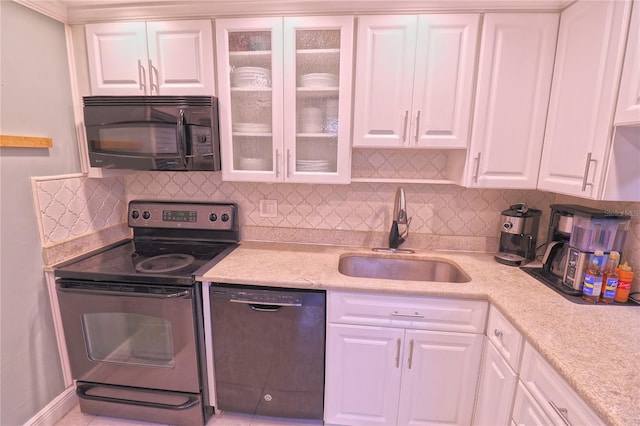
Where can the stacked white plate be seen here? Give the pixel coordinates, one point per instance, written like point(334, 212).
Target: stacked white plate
point(319, 79)
point(253, 163)
point(251, 77)
point(252, 127)
point(314, 165)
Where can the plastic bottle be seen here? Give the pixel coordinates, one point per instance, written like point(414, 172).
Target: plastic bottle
point(610, 278)
point(625, 276)
point(593, 278)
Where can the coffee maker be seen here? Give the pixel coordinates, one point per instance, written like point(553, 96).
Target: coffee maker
point(575, 233)
point(518, 236)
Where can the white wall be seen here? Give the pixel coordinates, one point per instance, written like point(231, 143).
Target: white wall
point(35, 100)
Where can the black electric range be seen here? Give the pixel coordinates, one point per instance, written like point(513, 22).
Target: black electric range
point(172, 243)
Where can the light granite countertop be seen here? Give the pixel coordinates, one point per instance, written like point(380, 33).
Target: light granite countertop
point(595, 348)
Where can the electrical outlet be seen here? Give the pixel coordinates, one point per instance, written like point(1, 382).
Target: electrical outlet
point(268, 208)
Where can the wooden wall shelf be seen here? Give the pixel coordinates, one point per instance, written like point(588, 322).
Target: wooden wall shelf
point(25, 142)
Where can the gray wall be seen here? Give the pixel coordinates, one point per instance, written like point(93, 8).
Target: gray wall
point(35, 100)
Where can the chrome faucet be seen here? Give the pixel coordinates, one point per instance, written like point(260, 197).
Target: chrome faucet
point(400, 218)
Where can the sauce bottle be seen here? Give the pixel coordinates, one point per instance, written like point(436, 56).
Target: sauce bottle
point(610, 278)
point(625, 276)
point(593, 278)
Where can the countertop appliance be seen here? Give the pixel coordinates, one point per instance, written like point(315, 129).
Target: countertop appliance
point(575, 232)
point(153, 132)
point(268, 350)
point(132, 313)
point(518, 236)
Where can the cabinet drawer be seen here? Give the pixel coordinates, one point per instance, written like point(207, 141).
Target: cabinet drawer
point(526, 411)
point(507, 340)
point(553, 394)
point(425, 313)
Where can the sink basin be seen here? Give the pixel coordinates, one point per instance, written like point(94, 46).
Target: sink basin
point(398, 268)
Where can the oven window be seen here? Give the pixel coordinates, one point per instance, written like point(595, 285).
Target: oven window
point(143, 139)
point(124, 338)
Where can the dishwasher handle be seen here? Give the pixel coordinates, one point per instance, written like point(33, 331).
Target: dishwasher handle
point(271, 306)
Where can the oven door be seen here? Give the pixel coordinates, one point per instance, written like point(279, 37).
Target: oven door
point(130, 334)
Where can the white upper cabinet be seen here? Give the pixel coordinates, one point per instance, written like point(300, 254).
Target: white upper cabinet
point(578, 135)
point(414, 80)
point(628, 109)
point(152, 58)
point(285, 98)
point(514, 81)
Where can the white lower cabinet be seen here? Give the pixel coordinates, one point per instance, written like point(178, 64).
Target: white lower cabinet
point(526, 411)
point(555, 398)
point(397, 372)
point(499, 371)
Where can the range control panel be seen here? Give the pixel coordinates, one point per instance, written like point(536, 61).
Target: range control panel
point(182, 215)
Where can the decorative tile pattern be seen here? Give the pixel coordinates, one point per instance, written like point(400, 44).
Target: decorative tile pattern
point(71, 206)
point(436, 209)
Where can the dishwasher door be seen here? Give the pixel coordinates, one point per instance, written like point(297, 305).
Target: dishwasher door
point(268, 349)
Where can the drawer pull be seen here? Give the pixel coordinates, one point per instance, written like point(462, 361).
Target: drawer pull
point(413, 315)
point(498, 333)
point(562, 412)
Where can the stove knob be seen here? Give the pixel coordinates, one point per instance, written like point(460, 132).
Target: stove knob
point(146, 215)
point(135, 214)
point(225, 217)
point(213, 217)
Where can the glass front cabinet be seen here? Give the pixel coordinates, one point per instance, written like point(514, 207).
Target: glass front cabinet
point(284, 87)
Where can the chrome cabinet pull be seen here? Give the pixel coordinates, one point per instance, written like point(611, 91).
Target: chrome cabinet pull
point(398, 353)
point(288, 163)
point(562, 412)
point(151, 83)
point(399, 314)
point(418, 127)
point(410, 353)
point(477, 168)
point(406, 122)
point(586, 172)
point(277, 163)
point(142, 76)
point(498, 333)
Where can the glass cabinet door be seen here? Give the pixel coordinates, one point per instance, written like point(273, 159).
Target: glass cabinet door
point(318, 55)
point(250, 97)
point(284, 98)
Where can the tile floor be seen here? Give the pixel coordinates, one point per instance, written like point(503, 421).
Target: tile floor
point(76, 418)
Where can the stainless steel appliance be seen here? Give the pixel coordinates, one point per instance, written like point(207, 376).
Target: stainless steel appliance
point(575, 232)
point(132, 313)
point(518, 236)
point(268, 350)
point(153, 132)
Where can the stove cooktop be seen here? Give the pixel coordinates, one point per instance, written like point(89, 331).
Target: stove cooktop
point(157, 262)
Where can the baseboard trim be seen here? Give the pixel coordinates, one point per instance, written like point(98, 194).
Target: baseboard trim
point(56, 409)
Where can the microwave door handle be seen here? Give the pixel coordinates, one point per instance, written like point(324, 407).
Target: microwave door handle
point(182, 139)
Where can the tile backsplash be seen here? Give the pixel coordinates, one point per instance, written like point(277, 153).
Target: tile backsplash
point(444, 216)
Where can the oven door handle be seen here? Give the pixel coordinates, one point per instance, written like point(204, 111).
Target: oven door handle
point(82, 390)
point(177, 295)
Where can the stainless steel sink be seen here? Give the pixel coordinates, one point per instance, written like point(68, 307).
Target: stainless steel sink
point(398, 268)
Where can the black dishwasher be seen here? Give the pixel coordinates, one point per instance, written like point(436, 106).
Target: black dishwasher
point(268, 349)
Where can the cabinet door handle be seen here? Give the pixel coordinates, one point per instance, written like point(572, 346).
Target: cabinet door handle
point(142, 76)
point(410, 360)
point(498, 333)
point(288, 163)
point(562, 412)
point(277, 163)
point(476, 169)
point(398, 353)
point(417, 127)
point(406, 122)
point(399, 314)
point(151, 83)
point(586, 172)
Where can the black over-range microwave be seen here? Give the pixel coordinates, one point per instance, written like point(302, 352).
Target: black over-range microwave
point(153, 132)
